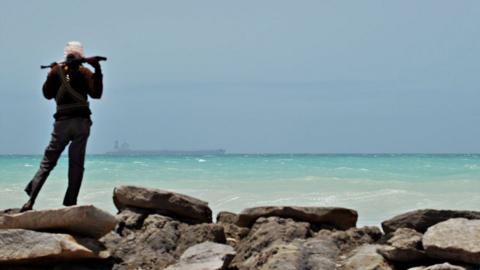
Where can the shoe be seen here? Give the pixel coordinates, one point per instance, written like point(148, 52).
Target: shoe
point(27, 207)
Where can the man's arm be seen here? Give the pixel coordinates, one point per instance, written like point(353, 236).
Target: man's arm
point(51, 85)
point(94, 81)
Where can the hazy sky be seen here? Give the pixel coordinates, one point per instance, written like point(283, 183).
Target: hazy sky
point(253, 76)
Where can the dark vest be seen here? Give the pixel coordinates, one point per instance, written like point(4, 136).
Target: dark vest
point(67, 90)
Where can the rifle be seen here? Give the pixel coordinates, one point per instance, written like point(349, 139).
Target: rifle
point(75, 61)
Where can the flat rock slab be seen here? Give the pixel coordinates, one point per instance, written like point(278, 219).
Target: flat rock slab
point(340, 218)
point(162, 202)
point(84, 220)
point(455, 239)
point(19, 246)
point(420, 220)
point(207, 255)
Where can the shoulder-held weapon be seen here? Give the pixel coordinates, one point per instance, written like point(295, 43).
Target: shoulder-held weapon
point(76, 61)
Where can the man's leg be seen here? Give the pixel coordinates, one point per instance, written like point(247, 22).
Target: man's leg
point(76, 159)
point(53, 151)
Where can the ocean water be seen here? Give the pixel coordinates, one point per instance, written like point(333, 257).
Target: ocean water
point(377, 186)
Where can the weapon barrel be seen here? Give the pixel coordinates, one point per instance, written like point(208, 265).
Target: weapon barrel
point(82, 60)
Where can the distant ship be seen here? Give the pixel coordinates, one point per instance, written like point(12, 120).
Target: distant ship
point(124, 149)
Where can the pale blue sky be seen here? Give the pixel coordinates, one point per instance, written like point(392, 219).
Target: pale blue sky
point(253, 76)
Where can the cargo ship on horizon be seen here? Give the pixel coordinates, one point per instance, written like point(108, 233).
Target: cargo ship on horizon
point(124, 149)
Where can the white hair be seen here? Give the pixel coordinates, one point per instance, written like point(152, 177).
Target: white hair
point(75, 48)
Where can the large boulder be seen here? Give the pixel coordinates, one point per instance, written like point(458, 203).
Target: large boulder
point(366, 258)
point(339, 218)
point(207, 255)
point(162, 202)
point(18, 246)
point(79, 220)
point(455, 239)
point(405, 245)
point(420, 220)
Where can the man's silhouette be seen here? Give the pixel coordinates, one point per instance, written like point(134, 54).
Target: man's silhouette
point(69, 83)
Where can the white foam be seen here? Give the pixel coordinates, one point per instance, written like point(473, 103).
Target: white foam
point(226, 200)
point(472, 166)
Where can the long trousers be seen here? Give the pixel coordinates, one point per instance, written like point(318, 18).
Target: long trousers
point(74, 131)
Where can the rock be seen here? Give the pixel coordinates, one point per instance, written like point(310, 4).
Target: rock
point(312, 254)
point(345, 242)
point(207, 255)
point(227, 217)
point(405, 245)
point(84, 220)
point(150, 247)
point(130, 219)
point(233, 233)
point(278, 243)
point(191, 235)
point(162, 202)
point(351, 238)
point(10, 211)
point(455, 239)
point(91, 265)
point(94, 245)
point(366, 258)
point(420, 220)
point(318, 253)
point(159, 242)
point(281, 256)
point(444, 266)
point(340, 218)
point(255, 249)
point(94, 265)
point(18, 246)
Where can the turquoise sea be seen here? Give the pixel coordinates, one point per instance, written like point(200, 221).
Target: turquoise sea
point(377, 186)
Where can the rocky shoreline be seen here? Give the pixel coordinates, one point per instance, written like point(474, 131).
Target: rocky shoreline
point(158, 229)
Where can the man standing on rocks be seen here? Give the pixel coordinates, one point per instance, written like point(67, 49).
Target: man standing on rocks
point(69, 83)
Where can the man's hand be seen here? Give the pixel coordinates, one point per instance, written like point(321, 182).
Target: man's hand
point(93, 61)
point(53, 68)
